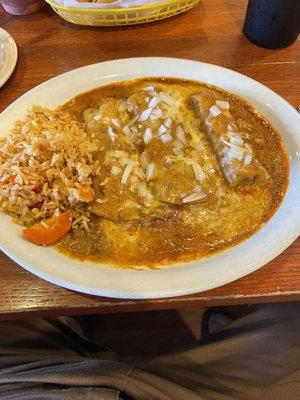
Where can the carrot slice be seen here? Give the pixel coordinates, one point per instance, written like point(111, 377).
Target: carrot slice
point(48, 231)
point(86, 194)
point(37, 189)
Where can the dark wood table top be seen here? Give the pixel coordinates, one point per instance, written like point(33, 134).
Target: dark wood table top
point(210, 32)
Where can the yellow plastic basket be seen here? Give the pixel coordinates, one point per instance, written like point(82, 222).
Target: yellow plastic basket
point(123, 16)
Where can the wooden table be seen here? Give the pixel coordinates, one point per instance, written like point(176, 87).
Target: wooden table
point(210, 32)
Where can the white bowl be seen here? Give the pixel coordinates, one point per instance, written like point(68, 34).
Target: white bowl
point(179, 279)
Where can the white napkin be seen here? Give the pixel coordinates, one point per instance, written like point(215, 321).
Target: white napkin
point(101, 4)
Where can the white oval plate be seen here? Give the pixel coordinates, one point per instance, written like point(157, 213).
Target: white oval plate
point(8, 56)
point(179, 279)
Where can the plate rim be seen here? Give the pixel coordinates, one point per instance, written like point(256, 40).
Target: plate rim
point(12, 50)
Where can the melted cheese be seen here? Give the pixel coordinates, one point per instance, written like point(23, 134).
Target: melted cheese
point(184, 168)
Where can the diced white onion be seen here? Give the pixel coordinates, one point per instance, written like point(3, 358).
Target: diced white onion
point(162, 129)
point(208, 124)
point(193, 197)
point(97, 117)
point(223, 104)
point(166, 98)
point(115, 170)
point(111, 133)
point(168, 122)
point(148, 199)
point(144, 160)
point(235, 153)
point(180, 134)
point(166, 138)
point(126, 172)
point(178, 144)
point(107, 160)
point(147, 136)
point(153, 102)
point(197, 189)
point(237, 140)
point(214, 111)
point(130, 107)
point(226, 142)
point(103, 183)
point(248, 159)
point(177, 151)
point(150, 171)
point(116, 122)
point(198, 171)
point(142, 190)
point(157, 112)
point(149, 88)
point(145, 114)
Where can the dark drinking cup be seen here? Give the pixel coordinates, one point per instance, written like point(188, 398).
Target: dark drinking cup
point(273, 24)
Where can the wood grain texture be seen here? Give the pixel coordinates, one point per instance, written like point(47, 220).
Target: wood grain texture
point(211, 32)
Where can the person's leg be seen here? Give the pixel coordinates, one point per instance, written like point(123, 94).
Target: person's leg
point(255, 357)
point(40, 359)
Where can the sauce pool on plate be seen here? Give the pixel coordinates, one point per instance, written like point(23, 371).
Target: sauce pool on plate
point(183, 170)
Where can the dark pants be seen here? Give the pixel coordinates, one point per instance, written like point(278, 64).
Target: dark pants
point(255, 357)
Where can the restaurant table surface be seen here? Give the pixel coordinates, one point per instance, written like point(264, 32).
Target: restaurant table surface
point(210, 32)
